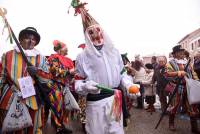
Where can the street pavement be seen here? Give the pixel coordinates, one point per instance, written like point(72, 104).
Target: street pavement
point(143, 122)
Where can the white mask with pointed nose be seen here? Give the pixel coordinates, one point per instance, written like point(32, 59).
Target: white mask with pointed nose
point(96, 35)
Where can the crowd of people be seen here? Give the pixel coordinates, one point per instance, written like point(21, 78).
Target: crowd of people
point(104, 83)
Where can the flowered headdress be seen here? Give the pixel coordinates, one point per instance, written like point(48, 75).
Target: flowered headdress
point(58, 45)
point(87, 19)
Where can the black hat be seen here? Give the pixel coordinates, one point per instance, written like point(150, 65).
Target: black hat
point(149, 66)
point(29, 30)
point(177, 48)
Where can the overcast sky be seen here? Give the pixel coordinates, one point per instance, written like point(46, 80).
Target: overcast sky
point(135, 26)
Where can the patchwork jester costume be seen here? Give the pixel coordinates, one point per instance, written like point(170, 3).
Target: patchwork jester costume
point(175, 70)
point(61, 68)
point(13, 68)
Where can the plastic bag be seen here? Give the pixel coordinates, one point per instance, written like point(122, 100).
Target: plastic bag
point(193, 90)
point(17, 117)
point(69, 100)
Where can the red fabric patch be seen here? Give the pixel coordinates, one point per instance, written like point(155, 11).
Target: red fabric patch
point(6, 99)
point(77, 77)
point(66, 62)
point(81, 46)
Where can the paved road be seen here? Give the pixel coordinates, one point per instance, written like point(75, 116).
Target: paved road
point(142, 122)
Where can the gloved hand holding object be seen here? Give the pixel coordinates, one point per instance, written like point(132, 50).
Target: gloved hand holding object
point(90, 86)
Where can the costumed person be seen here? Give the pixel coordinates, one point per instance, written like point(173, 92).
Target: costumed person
point(62, 70)
point(127, 97)
point(131, 73)
point(14, 68)
point(99, 66)
point(130, 99)
point(82, 102)
point(175, 70)
point(196, 64)
point(149, 90)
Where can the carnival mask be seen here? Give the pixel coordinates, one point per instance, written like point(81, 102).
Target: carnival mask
point(95, 35)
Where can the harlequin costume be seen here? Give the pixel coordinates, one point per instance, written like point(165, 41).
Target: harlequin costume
point(60, 67)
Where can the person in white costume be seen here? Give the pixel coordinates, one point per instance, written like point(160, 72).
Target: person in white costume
point(100, 64)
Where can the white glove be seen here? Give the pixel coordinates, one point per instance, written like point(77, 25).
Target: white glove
point(90, 86)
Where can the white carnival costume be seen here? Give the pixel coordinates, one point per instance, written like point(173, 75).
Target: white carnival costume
point(100, 63)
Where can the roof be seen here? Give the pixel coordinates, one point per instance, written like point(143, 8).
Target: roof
point(154, 54)
point(189, 35)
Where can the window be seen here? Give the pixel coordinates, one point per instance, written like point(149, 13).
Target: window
point(192, 46)
point(199, 43)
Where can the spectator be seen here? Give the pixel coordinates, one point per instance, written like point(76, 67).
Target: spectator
point(149, 90)
point(161, 81)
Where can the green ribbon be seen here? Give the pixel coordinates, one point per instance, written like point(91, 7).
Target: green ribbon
point(123, 71)
point(105, 89)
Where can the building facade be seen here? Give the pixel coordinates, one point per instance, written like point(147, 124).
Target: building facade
point(191, 41)
point(147, 58)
